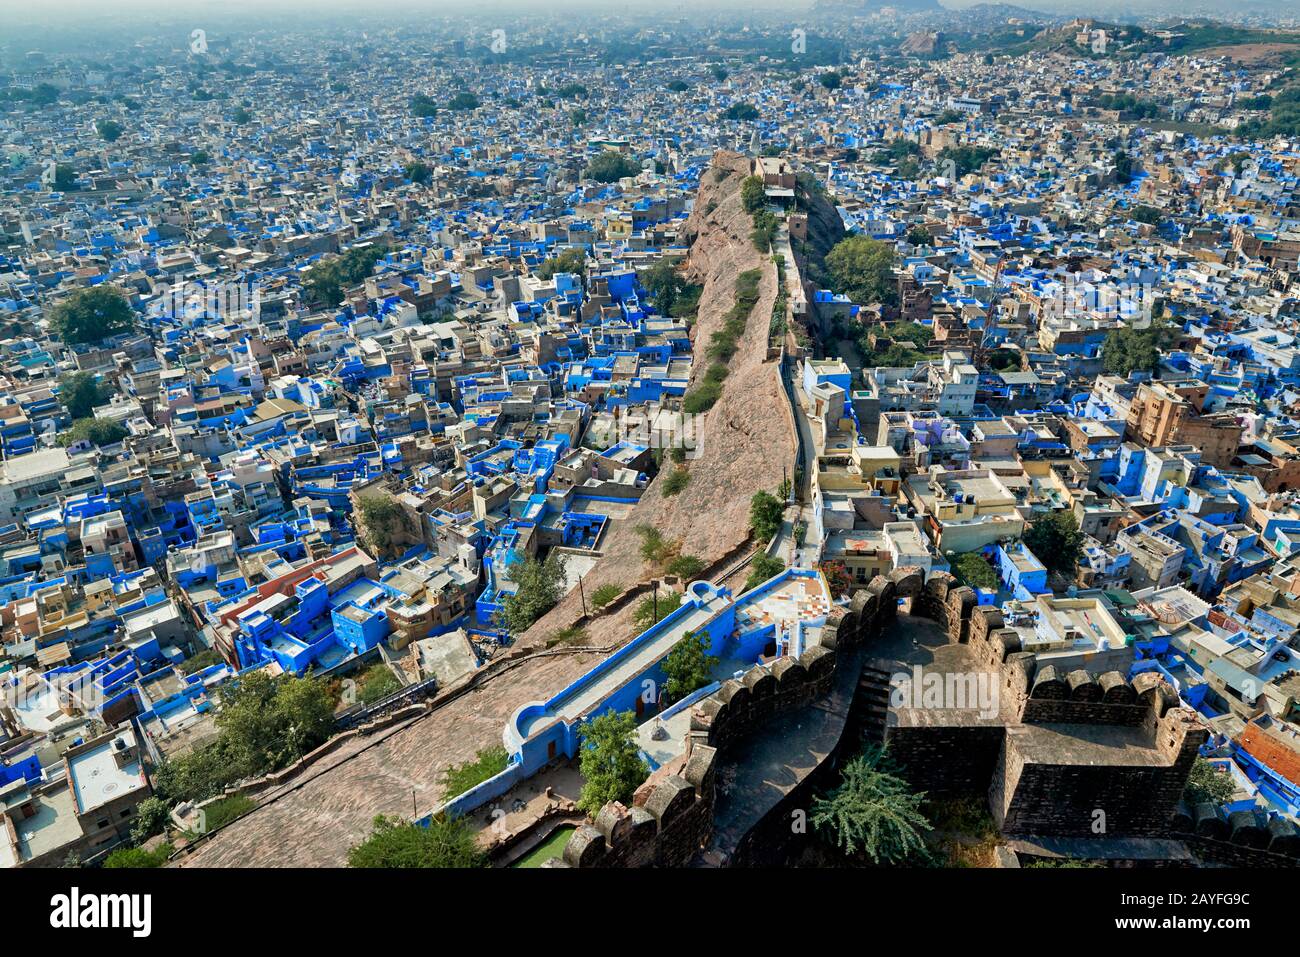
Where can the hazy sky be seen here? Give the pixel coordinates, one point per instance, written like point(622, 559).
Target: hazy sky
point(80, 12)
point(63, 8)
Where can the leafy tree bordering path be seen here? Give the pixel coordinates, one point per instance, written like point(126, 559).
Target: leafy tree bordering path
point(611, 766)
point(689, 666)
point(447, 842)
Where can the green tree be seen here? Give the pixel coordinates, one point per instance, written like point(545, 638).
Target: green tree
point(676, 481)
point(572, 261)
point(487, 763)
point(664, 283)
point(1123, 166)
point(687, 567)
point(766, 513)
point(241, 116)
point(92, 315)
point(965, 159)
point(752, 195)
point(382, 519)
point(741, 111)
point(539, 586)
point(703, 397)
point(109, 130)
point(200, 158)
point(862, 268)
point(325, 281)
point(447, 842)
point(761, 569)
point(1002, 360)
point(603, 595)
point(897, 151)
point(377, 683)
point(203, 659)
point(906, 344)
point(1207, 784)
point(611, 166)
point(1056, 541)
point(151, 817)
point(462, 101)
point(418, 172)
point(138, 857)
point(266, 722)
point(830, 79)
point(611, 766)
point(689, 666)
point(1125, 351)
point(44, 94)
point(423, 106)
point(765, 230)
point(653, 609)
point(196, 776)
point(99, 432)
point(1146, 214)
point(81, 392)
point(65, 178)
point(972, 569)
point(919, 236)
point(873, 812)
point(654, 547)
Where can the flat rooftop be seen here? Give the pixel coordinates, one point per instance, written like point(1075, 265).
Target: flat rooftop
point(1086, 744)
point(33, 464)
point(95, 778)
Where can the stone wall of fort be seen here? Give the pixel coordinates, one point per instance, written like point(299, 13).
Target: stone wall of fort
point(671, 817)
point(950, 753)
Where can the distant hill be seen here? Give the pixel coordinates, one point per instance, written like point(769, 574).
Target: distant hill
point(1127, 40)
point(872, 6)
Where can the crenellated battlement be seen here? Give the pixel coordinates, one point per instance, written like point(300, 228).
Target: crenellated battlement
point(1129, 744)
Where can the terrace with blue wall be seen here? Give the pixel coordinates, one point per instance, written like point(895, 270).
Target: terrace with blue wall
point(777, 618)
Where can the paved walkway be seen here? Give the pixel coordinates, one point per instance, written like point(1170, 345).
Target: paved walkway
point(313, 821)
point(755, 776)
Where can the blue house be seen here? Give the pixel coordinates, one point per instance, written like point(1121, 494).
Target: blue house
point(1021, 571)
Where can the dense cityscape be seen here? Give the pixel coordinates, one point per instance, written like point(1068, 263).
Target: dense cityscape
point(859, 436)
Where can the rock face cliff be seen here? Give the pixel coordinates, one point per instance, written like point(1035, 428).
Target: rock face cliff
point(746, 441)
point(747, 437)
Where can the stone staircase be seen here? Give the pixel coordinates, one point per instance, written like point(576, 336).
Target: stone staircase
point(871, 701)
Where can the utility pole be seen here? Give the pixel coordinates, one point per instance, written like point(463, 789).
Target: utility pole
point(583, 594)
